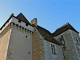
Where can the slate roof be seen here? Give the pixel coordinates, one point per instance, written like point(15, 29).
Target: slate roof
point(46, 34)
point(22, 18)
point(63, 28)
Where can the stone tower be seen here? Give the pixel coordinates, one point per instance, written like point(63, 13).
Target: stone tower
point(16, 39)
point(69, 39)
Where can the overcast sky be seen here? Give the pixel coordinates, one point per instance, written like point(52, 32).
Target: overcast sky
point(51, 14)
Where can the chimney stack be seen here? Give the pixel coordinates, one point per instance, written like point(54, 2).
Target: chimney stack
point(34, 22)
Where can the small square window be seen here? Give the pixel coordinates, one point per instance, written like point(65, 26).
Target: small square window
point(26, 36)
point(26, 24)
point(19, 21)
point(28, 52)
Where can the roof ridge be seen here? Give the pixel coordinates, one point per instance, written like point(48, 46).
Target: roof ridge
point(45, 29)
point(63, 25)
point(64, 28)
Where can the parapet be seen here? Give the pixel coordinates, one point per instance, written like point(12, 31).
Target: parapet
point(17, 22)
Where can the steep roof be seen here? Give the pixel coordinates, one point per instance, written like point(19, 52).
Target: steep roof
point(63, 28)
point(22, 18)
point(46, 34)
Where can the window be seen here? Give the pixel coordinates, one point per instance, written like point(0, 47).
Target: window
point(19, 21)
point(76, 39)
point(26, 24)
point(26, 36)
point(62, 40)
point(53, 49)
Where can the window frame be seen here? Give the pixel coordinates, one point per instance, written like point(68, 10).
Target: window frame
point(63, 42)
point(77, 40)
point(53, 49)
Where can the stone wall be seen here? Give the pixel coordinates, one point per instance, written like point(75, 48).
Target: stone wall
point(38, 47)
point(76, 43)
point(48, 52)
point(4, 42)
point(20, 44)
point(70, 52)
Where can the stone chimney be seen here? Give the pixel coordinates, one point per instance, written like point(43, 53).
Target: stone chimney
point(34, 22)
point(12, 15)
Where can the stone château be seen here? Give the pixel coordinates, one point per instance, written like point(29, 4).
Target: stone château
point(24, 40)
